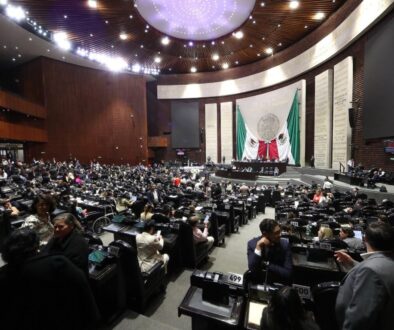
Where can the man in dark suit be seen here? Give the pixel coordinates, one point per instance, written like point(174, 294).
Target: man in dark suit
point(270, 252)
point(154, 196)
point(365, 299)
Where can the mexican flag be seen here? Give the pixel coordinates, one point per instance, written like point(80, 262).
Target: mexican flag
point(285, 146)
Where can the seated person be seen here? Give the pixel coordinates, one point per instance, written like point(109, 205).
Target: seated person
point(324, 233)
point(9, 207)
point(68, 241)
point(285, 311)
point(346, 234)
point(148, 246)
point(271, 248)
point(147, 213)
point(39, 221)
point(42, 292)
point(198, 235)
point(164, 215)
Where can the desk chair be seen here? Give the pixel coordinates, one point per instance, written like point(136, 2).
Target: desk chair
point(324, 297)
point(140, 286)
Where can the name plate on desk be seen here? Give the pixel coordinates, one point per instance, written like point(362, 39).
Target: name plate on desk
point(294, 223)
point(303, 291)
point(236, 279)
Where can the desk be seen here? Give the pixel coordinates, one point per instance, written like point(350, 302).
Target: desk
point(108, 291)
point(352, 180)
point(311, 273)
point(257, 166)
point(209, 316)
point(250, 176)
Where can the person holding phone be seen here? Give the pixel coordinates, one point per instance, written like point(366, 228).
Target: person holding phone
point(149, 244)
point(201, 236)
point(274, 251)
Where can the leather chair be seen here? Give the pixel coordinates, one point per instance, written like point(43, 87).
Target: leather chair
point(140, 286)
point(324, 297)
point(192, 254)
point(218, 231)
point(261, 204)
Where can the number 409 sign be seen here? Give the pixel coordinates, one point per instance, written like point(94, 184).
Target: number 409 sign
point(303, 291)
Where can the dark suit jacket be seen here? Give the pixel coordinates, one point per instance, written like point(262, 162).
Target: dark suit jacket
point(74, 247)
point(280, 261)
point(45, 293)
point(151, 199)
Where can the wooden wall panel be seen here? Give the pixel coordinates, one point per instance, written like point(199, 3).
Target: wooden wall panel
point(93, 114)
point(16, 132)
point(19, 104)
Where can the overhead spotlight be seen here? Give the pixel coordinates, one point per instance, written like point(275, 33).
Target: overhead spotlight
point(136, 68)
point(123, 36)
point(61, 39)
point(116, 64)
point(225, 65)
point(157, 59)
point(165, 41)
point(294, 4)
point(3, 2)
point(193, 69)
point(92, 4)
point(15, 13)
point(191, 43)
point(238, 34)
point(319, 16)
point(215, 57)
point(262, 4)
point(269, 51)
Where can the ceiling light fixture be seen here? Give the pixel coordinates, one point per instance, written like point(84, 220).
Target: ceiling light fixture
point(269, 51)
point(225, 65)
point(238, 34)
point(193, 69)
point(123, 36)
point(92, 4)
point(294, 4)
point(215, 57)
point(195, 20)
point(61, 39)
point(157, 59)
point(319, 16)
point(3, 2)
point(15, 13)
point(165, 41)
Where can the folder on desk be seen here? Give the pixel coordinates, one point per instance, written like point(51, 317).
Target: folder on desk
point(255, 311)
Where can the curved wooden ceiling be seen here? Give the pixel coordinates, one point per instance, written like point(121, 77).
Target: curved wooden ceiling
point(272, 25)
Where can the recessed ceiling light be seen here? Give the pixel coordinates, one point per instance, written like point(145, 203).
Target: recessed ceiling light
point(157, 59)
point(165, 41)
point(92, 3)
point(294, 4)
point(306, 26)
point(193, 69)
point(225, 65)
point(236, 62)
point(238, 34)
point(3, 2)
point(262, 4)
point(215, 57)
point(269, 50)
point(212, 42)
point(191, 43)
point(319, 16)
point(131, 16)
point(123, 36)
point(65, 16)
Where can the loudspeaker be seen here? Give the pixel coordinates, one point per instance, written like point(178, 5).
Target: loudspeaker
point(352, 119)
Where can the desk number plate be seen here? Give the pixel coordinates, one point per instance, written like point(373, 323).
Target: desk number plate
point(326, 246)
point(235, 278)
point(294, 223)
point(303, 291)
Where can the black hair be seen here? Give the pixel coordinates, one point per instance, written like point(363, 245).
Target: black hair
point(268, 225)
point(149, 225)
point(20, 245)
point(47, 199)
point(380, 236)
point(284, 311)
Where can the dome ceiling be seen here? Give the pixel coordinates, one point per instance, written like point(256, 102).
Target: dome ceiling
point(179, 36)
